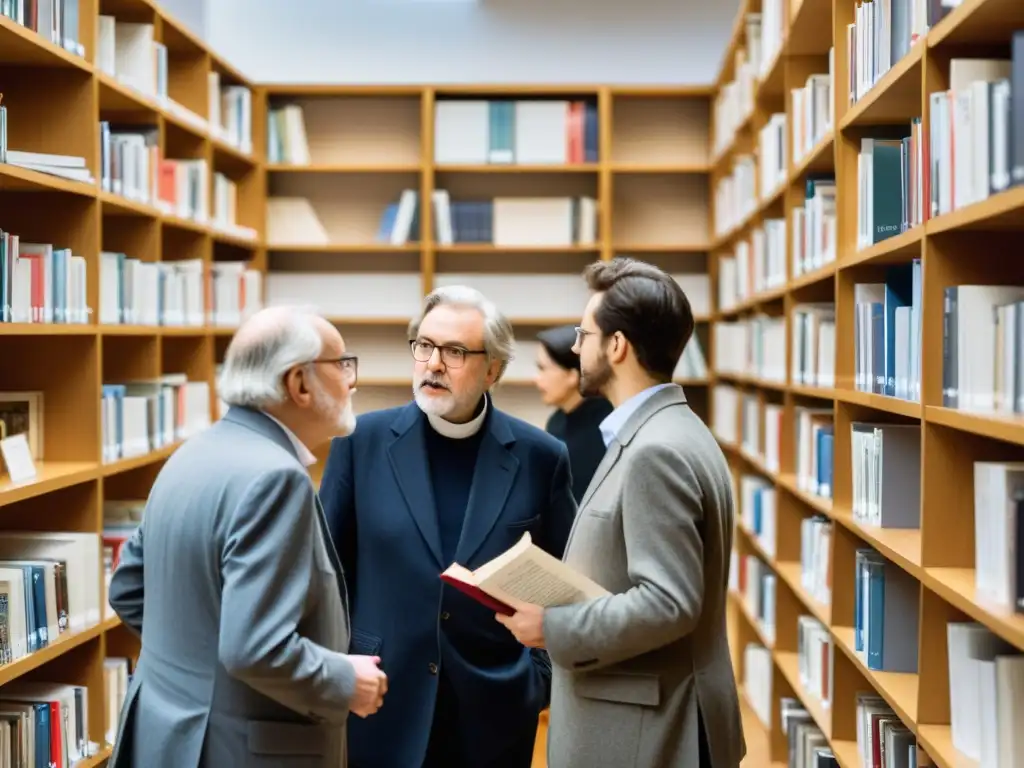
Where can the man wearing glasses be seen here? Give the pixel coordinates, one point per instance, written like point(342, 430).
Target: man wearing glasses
point(446, 478)
point(232, 580)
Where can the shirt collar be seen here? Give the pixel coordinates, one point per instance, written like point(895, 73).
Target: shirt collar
point(305, 455)
point(614, 421)
point(459, 431)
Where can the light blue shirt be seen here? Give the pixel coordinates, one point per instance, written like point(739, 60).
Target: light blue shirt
point(615, 420)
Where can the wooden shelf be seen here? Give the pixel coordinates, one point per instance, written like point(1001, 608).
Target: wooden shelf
point(367, 144)
point(954, 249)
point(55, 102)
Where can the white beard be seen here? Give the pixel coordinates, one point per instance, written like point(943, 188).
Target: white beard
point(341, 417)
point(434, 405)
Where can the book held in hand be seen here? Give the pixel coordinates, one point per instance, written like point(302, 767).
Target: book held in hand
point(524, 573)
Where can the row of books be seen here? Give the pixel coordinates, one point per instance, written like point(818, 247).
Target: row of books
point(986, 674)
point(49, 586)
point(973, 150)
point(754, 347)
point(466, 132)
point(879, 37)
point(757, 264)
point(41, 283)
point(772, 157)
point(756, 585)
point(733, 104)
point(885, 494)
point(533, 222)
point(139, 417)
point(983, 366)
point(516, 221)
point(56, 21)
point(740, 419)
point(129, 52)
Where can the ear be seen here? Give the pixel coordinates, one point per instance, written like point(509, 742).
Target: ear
point(296, 383)
point(492, 372)
point(618, 348)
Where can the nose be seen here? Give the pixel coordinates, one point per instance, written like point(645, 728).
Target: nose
point(435, 363)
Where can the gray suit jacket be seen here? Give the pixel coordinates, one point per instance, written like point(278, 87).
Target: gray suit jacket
point(630, 670)
point(246, 619)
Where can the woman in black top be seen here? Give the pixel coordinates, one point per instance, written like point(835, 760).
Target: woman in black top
point(576, 420)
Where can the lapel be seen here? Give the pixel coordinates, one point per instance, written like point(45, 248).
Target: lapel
point(407, 454)
point(332, 553)
point(495, 472)
point(611, 456)
point(663, 398)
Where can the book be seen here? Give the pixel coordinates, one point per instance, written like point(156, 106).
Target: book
point(524, 573)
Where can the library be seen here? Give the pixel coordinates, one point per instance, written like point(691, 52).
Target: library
point(169, 169)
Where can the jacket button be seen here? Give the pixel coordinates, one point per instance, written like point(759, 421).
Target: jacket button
point(432, 667)
point(445, 615)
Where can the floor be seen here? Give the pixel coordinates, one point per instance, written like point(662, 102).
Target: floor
point(540, 759)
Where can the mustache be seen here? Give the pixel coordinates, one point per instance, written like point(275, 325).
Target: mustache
point(435, 382)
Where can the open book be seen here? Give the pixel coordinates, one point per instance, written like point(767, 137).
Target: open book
point(525, 573)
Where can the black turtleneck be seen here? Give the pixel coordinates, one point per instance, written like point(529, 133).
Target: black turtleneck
point(579, 430)
point(452, 462)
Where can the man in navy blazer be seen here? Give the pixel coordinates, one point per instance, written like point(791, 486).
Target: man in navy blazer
point(446, 478)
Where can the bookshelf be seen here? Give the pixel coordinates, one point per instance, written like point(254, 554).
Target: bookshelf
point(131, 216)
point(584, 172)
point(859, 245)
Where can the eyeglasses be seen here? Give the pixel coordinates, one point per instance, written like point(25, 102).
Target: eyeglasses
point(452, 357)
point(349, 365)
point(581, 334)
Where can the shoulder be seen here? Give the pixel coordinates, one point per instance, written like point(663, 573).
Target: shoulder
point(230, 463)
point(676, 437)
point(372, 422)
point(532, 440)
point(227, 449)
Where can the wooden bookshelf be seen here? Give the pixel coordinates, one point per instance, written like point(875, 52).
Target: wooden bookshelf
point(649, 178)
point(55, 101)
point(963, 247)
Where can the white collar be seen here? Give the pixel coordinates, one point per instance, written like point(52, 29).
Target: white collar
point(305, 455)
point(459, 431)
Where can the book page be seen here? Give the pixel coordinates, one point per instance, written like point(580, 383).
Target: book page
point(537, 577)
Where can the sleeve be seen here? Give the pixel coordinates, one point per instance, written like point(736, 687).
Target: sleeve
point(337, 495)
point(126, 591)
point(561, 511)
point(661, 520)
point(267, 560)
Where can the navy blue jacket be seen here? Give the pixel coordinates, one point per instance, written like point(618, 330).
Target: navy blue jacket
point(378, 499)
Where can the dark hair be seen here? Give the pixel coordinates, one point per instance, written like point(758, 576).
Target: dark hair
point(558, 342)
point(647, 306)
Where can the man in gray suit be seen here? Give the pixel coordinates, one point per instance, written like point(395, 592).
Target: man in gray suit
point(243, 657)
point(643, 678)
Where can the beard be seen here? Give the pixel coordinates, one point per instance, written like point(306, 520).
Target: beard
point(338, 414)
point(435, 397)
point(594, 380)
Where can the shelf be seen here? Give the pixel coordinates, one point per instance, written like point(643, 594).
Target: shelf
point(761, 423)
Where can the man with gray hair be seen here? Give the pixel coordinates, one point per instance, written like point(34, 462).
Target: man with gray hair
point(447, 478)
point(245, 638)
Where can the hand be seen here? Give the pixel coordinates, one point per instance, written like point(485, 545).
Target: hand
point(371, 685)
point(527, 624)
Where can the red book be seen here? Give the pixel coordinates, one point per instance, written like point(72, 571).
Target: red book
point(456, 579)
point(523, 573)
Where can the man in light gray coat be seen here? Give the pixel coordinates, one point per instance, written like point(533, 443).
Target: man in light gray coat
point(243, 657)
point(643, 678)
